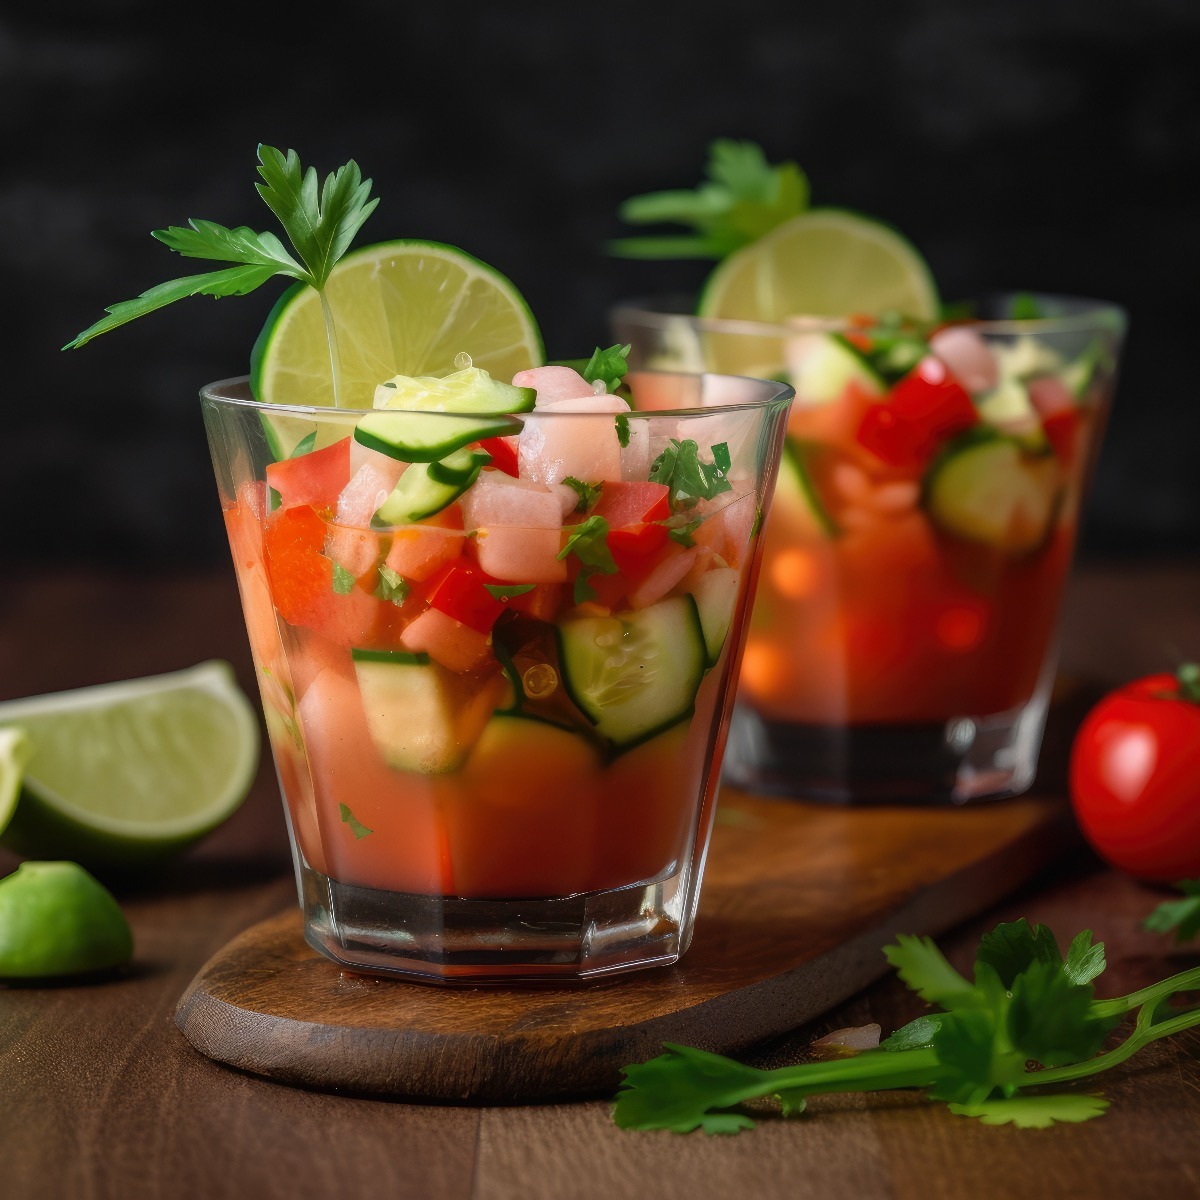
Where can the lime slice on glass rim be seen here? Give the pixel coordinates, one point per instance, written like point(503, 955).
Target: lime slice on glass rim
point(827, 262)
point(57, 920)
point(130, 772)
point(398, 308)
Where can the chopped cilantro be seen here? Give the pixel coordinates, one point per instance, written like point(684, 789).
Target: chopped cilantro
point(392, 585)
point(683, 533)
point(343, 580)
point(305, 445)
point(1024, 306)
point(357, 828)
point(588, 493)
point(1180, 916)
point(622, 422)
point(588, 541)
point(608, 365)
point(506, 591)
point(688, 477)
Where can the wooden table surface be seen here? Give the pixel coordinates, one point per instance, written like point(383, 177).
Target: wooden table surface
point(100, 1096)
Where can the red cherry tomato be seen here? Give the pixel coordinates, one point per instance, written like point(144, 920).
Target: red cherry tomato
point(1135, 777)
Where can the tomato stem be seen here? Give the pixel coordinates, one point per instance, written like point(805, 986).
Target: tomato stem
point(1188, 676)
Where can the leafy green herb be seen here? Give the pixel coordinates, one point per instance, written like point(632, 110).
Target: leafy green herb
point(506, 591)
point(304, 445)
point(683, 533)
point(609, 365)
point(758, 520)
point(357, 828)
point(1027, 1005)
point(320, 223)
point(588, 541)
point(690, 479)
point(343, 580)
point(1024, 306)
point(1179, 916)
point(588, 493)
point(622, 422)
point(743, 198)
point(392, 585)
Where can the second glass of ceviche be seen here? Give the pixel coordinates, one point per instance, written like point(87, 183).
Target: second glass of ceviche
point(496, 608)
point(903, 641)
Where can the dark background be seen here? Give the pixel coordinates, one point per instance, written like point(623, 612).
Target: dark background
point(1030, 144)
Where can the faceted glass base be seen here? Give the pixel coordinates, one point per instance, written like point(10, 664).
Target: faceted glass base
point(951, 762)
point(446, 939)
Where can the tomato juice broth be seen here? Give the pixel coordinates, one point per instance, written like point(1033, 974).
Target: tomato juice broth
point(532, 804)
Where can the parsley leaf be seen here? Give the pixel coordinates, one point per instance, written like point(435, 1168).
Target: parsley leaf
point(923, 967)
point(690, 479)
point(1180, 916)
point(1034, 1112)
point(304, 445)
point(1014, 947)
point(357, 828)
point(343, 580)
point(392, 585)
point(588, 493)
point(320, 226)
point(506, 591)
point(743, 197)
point(588, 541)
point(609, 365)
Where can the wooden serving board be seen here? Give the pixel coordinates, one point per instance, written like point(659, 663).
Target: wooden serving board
point(796, 905)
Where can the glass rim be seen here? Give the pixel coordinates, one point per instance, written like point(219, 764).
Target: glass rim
point(781, 395)
point(665, 309)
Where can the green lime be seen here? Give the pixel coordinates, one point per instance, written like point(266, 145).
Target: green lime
point(14, 754)
point(826, 262)
point(55, 919)
point(398, 308)
point(132, 771)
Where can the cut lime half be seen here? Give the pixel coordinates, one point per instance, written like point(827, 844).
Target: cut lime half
point(132, 771)
point(826, 262)
point(398, 308)
point(15, 750)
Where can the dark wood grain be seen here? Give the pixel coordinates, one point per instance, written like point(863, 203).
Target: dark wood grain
point(797, 903)
point(100, 1096)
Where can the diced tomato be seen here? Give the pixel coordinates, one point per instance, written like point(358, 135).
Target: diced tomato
point(632, 546)
point(504, 457)
point(543, 603)
point(925, 408)
point(1062, 432)
point(315, 478)
point(459, 591)
point(628, 503)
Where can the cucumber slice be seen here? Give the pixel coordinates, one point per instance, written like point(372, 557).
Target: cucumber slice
point(716, 597)
point(796, 498)
point(419, 494)
point(421, 716)
point(986, 488)
point(460, 467)
point(471, 391)
point(828, 365)
point(426, 437)
point(634, 673)
point(1025, 356)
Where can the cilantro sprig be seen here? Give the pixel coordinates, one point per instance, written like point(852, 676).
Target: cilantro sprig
point(319, 220)
point(689, 478)
point(1027, 1004)
point(588, 541)
point(610, 365)
point(743, 198)
point(1181, 917)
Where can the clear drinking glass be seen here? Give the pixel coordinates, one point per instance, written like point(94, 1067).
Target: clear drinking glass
point(903, 640)
point(492, 768)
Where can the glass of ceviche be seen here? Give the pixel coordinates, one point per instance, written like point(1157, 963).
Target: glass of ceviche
point(902, 645)
point(497, 625)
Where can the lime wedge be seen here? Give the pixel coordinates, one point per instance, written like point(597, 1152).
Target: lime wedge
point(14, 754)
point(398, 308)
point(55, 920)
point(826, 262)
point(132, 771)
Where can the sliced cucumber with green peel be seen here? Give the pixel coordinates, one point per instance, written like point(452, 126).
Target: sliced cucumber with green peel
point(635, 673)
point(716, 598)
point(460, 467)
point(421, 716)
point(472, 391)
point(828, 366)
point(425, 437)
point(1008, 407)
point(987, 488)
point(419, 494)
point(795, 499)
